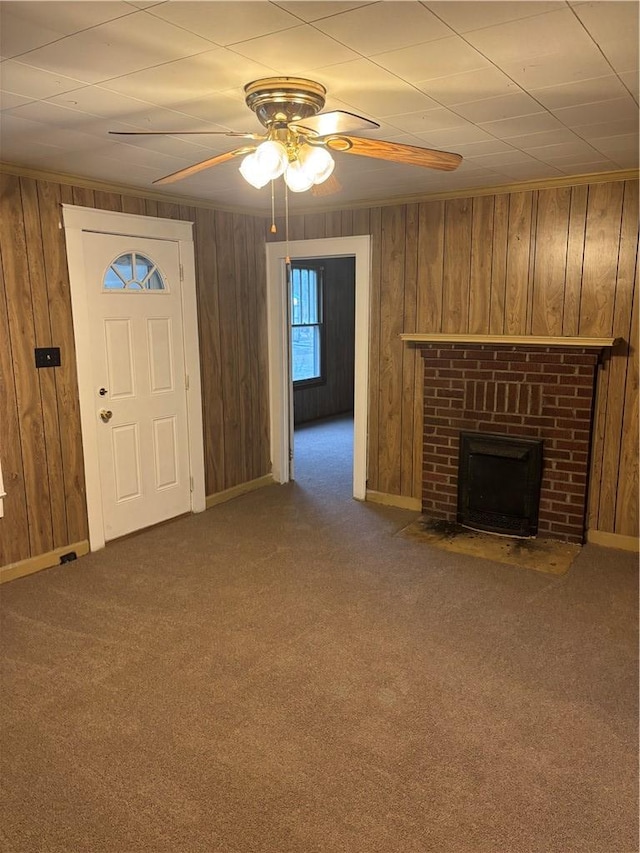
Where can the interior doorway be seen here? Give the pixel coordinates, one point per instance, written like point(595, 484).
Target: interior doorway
point(280, 385)
point(322, 317)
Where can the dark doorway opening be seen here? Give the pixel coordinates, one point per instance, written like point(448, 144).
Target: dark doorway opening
point(499, 483)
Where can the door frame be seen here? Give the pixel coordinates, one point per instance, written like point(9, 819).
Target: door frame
point(76, 220)
point(280, 384)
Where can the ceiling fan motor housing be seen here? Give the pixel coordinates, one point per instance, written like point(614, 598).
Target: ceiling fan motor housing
point(276, 101)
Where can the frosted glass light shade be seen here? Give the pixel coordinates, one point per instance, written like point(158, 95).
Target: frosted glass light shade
point(316, 162)
point(252, 173)
point(296, 178)
point(272, 159)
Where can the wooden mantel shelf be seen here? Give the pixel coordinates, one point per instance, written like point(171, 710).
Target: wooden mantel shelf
point(507, 340)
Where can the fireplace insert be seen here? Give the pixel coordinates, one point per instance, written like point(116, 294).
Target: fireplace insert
point(499, 483)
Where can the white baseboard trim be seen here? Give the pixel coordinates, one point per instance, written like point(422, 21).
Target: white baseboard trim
point(236, 491)
point(42, 561)
point(613, 540)
point(401, 501)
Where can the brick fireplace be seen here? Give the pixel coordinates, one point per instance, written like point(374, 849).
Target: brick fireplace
point(527, 388)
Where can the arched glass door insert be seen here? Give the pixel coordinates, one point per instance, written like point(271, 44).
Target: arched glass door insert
point(133, 273)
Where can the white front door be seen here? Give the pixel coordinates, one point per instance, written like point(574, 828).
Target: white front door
point(139, 379)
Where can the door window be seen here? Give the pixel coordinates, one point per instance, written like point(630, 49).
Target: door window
point(133, 272)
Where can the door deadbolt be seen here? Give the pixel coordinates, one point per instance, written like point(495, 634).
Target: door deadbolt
point(106, 415)
point(102, 392)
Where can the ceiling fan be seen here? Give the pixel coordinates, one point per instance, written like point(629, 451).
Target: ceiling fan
point(299, 139)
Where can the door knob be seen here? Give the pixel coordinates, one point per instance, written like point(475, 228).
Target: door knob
point(106, 415)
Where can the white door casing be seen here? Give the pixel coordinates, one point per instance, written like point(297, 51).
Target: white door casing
point(280, 393)
point(146, 463)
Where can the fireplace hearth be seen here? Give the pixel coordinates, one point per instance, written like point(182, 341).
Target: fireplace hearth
point(499, 483)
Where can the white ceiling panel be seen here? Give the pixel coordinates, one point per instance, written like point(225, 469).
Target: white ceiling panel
point(466, 16)
point(614, 109)
point(531, 171)
point(186, 79)
point(226, 23)
point(632, 81)
point(22, 79)
point(590, 91)
point(494, 109)
point(480, 84)
point(608, 128)
point(537, 123)
point(535, 140)
point(380, 27)
point(367, 87)
point(614, 28)
point(294, 51)
point(428, 121)
point(432, 60)
point(309, 10)
point(552, 33)
point(453, 136)
point(26, 26)
point(8, 100)
point(522, 90)
point(120, 47)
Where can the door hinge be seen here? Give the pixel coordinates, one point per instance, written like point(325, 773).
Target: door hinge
point(291, 454)
point(186, 382)
point(190, 484)
point(181, 273)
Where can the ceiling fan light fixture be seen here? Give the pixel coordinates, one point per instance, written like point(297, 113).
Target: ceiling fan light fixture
point(296, 178)
point(272, 158)
point(316, 162)
point(252, 172)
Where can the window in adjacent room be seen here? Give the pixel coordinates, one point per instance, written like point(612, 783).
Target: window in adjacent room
point(307, 323)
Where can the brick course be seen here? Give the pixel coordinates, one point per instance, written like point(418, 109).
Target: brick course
point(529, 392)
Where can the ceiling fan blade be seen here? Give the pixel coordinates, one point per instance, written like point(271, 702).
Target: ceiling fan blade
point(338, 121)
point(204, 164)
point(187, 133)
point(396, 151)
point(329, 187)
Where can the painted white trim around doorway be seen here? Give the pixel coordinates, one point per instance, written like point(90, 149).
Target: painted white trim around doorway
point(280, 396)
point(76, 220)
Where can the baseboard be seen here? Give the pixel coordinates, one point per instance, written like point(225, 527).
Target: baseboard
point(613, 540)
point(236, 491)
point(401, 501)
point(42, 561)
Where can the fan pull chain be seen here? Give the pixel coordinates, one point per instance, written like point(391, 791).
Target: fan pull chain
point(287, 259)
point(273, 228)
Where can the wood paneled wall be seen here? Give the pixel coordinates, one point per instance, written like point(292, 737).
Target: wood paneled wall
point(336, 394)
point(559, 261)
point(40, 439)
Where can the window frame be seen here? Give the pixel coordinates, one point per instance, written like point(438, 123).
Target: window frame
point(319, 268)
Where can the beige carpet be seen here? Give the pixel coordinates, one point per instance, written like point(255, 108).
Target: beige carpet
point(541, 555)
point(285, 674)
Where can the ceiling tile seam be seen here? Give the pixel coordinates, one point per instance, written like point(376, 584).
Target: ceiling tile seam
point(600, 51)
point(325, 17)
point(66, 36)
point(452, 109)
point(149, 12)
point(15, 111)
point(449, 108)
point(488, 27)
point(128, 74)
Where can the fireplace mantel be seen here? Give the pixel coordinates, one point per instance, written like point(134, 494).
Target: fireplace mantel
point(507, 340)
